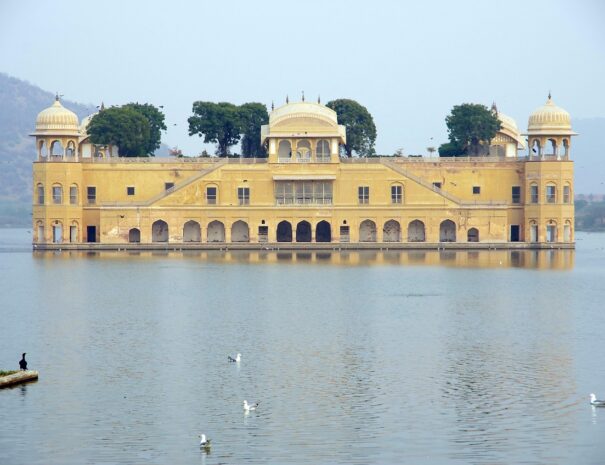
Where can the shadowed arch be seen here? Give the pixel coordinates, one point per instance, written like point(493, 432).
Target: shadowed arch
point(391, 232)
point(159, 231)
point(416, 232)
point(323, 232)
point(367, 231)
point(284, 232)
point(216, 231)
point(240, 232)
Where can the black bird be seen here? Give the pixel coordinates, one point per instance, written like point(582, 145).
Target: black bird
point(23, 363)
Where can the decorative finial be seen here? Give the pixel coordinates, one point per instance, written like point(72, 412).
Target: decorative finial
point(549, 97)
point(287, 99)
point(272, 105)
point(319, 99)
point(494, 108)
point(303, 95)
point(57, 97)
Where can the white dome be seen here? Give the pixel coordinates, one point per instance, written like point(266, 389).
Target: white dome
point(549, 119)
point(57, 119)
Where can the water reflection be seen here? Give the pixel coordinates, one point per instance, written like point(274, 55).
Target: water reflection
point(530, 259)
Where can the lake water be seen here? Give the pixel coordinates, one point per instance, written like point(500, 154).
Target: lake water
point(366, 358)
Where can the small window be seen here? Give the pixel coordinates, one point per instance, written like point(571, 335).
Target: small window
point(566, 194)
point(73, 195)
point(91, 195)
point(516, 194)
point(211, 195)
point(57, 195)
point(243, 195)
point(397, 193)
point(168, 185)
point(40, 194)
point(533, 190)
point(363, 193)
point(476, 190)
point(130, 190)
point(551, 194)
point(437, 185)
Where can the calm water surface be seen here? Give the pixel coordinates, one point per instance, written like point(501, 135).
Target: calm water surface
point(420, 358)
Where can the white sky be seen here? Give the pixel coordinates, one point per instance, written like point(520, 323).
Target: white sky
point(408, 63)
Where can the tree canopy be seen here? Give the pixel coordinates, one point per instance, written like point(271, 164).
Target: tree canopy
point(469, 125)
point(124, 127)
point(218, 123)
point(155, 119)
point(361, 131)
point(252, 117)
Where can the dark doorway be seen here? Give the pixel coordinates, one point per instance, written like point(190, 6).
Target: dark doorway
point(514, 233)
point(303, 232)
point(284, 232)
point(91, 234)
point(323, 232)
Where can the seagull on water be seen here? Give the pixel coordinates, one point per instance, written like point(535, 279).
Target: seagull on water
point(248, 407)
point(595, 402)
point(237, 358)
point(204, 442)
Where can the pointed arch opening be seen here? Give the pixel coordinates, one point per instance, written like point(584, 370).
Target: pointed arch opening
point(391, 232)
point(323, 232)
point(192, 232)
point(159, 231)
point(367, 231)
point(134, 235)
point(240, 232)
point(416, 232)
point(56, 148)
point(284, 232)
point(216, 231)
point(303, 231)
point(447, 231)
point(473, 235)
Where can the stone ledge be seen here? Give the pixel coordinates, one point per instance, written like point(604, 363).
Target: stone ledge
point(17, 378)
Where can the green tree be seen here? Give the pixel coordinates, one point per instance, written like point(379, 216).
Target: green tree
point(451, 149)
point(471, 124)
point(252, 117)
point(124, 127)
point(156, 123)
point(361, 131)
point(218, 123)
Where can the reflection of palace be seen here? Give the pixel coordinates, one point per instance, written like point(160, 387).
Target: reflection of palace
point(304, 192)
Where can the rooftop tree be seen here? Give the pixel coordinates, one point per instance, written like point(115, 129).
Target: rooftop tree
point(155, 119)
point(469, 126)
point(124, 127)
point(361, 131)
point(218, 123)
point(252, 117)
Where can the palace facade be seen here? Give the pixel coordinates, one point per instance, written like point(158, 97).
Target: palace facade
point(304, 192)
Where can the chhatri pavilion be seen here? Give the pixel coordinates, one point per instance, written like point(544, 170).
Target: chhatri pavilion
point(304, 193)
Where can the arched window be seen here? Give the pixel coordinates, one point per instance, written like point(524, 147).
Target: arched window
point(216, 232)
point(57, 232)
point(567, 231)
point(551, 231)
point(416, 231)
point(42, 149)
point(564, 149)
point(70, 151)
point(240, 232)
point(303, 232)
point(534, 193)
point(536, 150)
point(40, 232)
point(367, 231)
point(303, 150)
point(322, 151)
point(73, 232)
point(396, 193)
point(447, 231)
point(159, 231)
point(73, 194)
point(552, 148)
point(40, 193)
point(57, 194)
point(192, 232)
point(134, 235)
point(567, 194)
point(473, 235)
point(533, 231)
point(551, 193)
point(56, 148)
point(284, 152)
point(391, 232)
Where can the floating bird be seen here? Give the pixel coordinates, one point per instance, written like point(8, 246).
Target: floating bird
point(248, 407)
point(204, 442)
point(595, 402)
point(237, 358)
point(23, 362)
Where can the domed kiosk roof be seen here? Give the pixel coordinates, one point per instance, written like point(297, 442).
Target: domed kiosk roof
point(549, 119)
point(509, 128)
point(57, 120)
point(303, 119)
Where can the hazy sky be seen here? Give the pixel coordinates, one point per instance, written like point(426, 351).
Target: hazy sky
point(407, 62)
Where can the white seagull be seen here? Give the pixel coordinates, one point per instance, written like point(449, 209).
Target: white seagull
point(204, 442)
point(595, 402)
point(237, 358)
point(248, 407)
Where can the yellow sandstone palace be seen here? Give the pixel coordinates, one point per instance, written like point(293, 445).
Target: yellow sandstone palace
point(304, 192)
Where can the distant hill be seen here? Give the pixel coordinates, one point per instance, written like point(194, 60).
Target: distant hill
point(20, 103)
